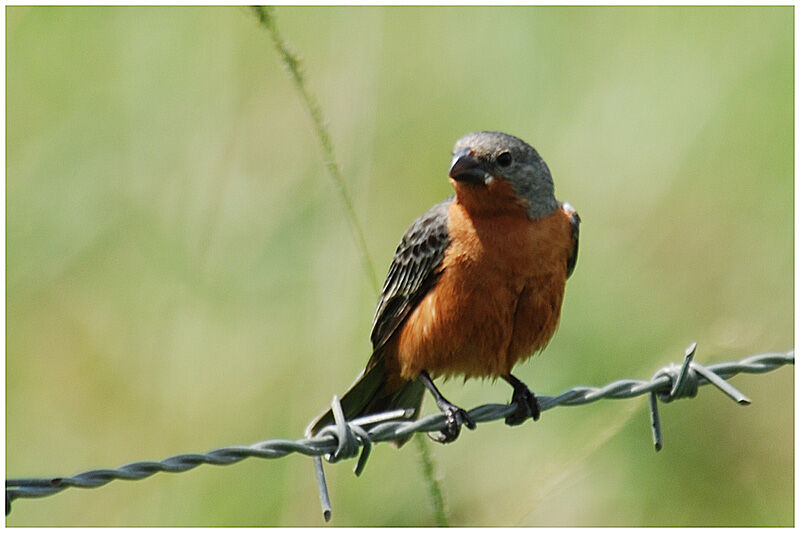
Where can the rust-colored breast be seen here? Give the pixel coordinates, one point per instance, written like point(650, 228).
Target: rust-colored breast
point(497, 301)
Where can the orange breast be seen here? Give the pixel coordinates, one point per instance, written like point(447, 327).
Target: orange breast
point(498, 298)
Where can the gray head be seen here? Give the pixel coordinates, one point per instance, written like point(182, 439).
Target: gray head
point(482, 159)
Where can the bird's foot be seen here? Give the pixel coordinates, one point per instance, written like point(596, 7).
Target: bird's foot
point(455, 418)
point(525, 401)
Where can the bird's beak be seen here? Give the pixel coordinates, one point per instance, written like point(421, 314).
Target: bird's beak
point(466, 168)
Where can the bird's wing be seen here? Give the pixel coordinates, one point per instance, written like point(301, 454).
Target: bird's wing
point(414, 270)
point(575, 222)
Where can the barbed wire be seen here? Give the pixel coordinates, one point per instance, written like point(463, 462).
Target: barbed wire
point(347, 439)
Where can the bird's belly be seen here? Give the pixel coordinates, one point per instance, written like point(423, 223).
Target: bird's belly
point(464, 328)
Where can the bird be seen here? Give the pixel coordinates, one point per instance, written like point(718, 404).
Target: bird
point(475, 286)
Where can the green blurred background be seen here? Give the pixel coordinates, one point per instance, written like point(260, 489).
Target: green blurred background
point(181, 274)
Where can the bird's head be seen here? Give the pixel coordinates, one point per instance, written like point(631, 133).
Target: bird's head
point(496, 171)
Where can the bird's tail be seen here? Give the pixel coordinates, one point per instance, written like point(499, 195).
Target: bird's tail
point(369, 395)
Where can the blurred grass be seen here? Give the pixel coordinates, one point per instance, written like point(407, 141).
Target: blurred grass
point(180, 274)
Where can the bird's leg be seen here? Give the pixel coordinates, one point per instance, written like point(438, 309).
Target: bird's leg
point(524, 399)
point(455, 415)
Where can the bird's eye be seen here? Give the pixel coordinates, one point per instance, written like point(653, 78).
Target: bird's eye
point(504, 159)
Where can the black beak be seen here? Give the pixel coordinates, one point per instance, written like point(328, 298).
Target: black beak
point(467, 168)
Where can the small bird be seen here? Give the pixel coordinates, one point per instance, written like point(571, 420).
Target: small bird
point(475, 286)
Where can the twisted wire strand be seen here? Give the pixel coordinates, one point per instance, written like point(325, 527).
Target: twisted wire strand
point(344, 440)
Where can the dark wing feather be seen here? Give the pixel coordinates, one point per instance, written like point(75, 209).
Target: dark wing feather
point(575, 222)
point(414, 270)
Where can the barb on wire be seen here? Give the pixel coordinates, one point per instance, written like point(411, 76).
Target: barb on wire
point(346, 439)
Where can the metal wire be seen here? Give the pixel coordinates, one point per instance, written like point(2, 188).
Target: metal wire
point(346, 439)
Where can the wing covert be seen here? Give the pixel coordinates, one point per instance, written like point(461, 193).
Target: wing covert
point(413, 271)
point(575, 223)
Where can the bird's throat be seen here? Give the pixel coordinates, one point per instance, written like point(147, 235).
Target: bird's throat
point(495, 198)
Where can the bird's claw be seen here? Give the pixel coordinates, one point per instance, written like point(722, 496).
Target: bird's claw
point(455, 418)
point(527, 406)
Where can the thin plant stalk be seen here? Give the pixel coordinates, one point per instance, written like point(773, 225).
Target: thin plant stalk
point(291, 61)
